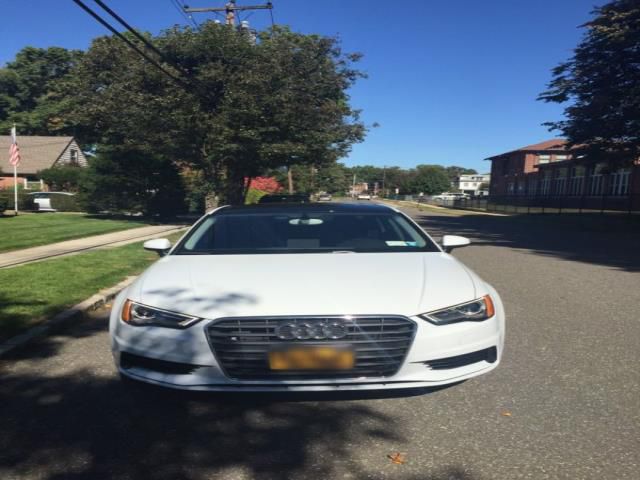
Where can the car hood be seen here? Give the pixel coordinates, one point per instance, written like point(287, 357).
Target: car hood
point(214, 286)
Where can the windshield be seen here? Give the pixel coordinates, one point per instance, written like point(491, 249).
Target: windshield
point(299, 231)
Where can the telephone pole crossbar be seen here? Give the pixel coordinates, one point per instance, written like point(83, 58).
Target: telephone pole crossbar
point(230, 9)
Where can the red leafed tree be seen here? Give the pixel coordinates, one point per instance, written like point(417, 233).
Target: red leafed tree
point(265, 184)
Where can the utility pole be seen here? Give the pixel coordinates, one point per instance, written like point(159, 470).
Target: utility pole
point(230, 10)
point(384, 175)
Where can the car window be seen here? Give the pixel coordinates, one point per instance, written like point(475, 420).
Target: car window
point(301, 231)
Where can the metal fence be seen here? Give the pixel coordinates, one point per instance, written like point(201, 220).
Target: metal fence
point(629, 204)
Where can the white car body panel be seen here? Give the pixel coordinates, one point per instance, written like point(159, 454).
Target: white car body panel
point(217, 286)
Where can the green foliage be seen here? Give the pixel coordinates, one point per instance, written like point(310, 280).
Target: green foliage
point(132, 180)
point(253, 196)
point(63, 178)
point(25, 201)
point(453, 172)
point(601, 82)
point(429, 179)
point(32, 90)
point(65, 203)
point(4, 204)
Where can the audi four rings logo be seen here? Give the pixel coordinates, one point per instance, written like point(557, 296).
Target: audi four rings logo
point(312, 330)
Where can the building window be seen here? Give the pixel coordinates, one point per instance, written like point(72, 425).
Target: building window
point(596, 182)
point(511, 188)
point(619, 182)
point(522, 184)
point(561, 182)
point(562, 157)
point(545, 184)
point(576, 183)
point(544, 158)
point(73, 156)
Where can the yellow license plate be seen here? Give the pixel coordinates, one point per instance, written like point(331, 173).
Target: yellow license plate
point(311, 358)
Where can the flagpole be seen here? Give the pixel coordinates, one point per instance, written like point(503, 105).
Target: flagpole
point(15, 188)
point(15, 182)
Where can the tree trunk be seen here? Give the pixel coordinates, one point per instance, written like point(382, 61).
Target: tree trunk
point(290, 179)
point(234, 188)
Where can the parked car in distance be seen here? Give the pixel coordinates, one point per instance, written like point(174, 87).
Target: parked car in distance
point(205, 316)
point(364, 196)
point(324, 197)
point(43, 200)
point(286, 198)
point(449, 197)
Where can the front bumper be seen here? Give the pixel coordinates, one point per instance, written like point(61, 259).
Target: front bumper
point(183, 359)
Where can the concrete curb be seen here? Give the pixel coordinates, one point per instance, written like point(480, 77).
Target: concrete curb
point(73, 314)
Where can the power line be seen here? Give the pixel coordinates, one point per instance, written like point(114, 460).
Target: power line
point(146, 43)
point(177, 6)
point(130, 44)
point(182, 6)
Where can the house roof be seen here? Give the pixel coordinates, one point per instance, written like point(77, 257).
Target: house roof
point(36, 152)
point(555, 144)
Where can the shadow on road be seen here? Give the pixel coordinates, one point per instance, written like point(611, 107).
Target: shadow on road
point(605, 240)
point(84, 427)
point(58, 422)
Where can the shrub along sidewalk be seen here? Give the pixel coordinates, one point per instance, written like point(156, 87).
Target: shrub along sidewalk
point(31, 293)
point(33, 229)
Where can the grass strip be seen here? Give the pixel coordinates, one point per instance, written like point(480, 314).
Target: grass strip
point(33, 292)
point(34, 229)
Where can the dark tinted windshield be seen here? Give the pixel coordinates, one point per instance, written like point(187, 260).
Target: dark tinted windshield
point(300, 231)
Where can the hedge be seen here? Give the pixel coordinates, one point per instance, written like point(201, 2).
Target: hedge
point(65, 203)
point(4, 204)
point(25, 201)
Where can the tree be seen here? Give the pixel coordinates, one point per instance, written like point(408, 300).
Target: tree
point(132, 180)
point(453, 172)
point(429, 179)
point(250, 108)
point(32, 90)
point(601, 81)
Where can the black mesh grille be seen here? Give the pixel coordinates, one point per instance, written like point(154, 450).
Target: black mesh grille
point(486, 355)
point(242, 345)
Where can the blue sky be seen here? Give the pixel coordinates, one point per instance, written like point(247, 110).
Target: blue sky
point(450, 82)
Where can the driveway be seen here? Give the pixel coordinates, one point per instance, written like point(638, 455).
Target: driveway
point(565, 403)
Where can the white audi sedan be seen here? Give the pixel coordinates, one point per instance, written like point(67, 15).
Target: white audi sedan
point(288, 297)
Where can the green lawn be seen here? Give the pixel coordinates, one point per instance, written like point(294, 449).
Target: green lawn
point(33, 229)
point(32, 292)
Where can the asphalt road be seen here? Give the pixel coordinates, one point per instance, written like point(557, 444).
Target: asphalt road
point(564, 404)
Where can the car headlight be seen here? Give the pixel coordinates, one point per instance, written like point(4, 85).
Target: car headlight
point(475, 311)
point(140, 315)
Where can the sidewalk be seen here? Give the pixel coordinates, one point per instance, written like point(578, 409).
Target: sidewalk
point(28, 255)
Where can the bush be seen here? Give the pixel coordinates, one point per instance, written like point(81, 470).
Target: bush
point(62, 178)
point(4, 204)
point(25, 201)
point(130, 180)
point(65, 203)
point(253, 196)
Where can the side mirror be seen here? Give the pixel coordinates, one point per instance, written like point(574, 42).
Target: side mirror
point(449, 242)
point(159, 245)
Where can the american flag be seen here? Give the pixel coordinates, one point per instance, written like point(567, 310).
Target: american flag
point(14, 151)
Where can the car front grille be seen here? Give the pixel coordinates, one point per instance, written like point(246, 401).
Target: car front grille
point(242, 345)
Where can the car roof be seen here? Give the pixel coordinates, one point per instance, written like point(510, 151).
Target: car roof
point(342, 207)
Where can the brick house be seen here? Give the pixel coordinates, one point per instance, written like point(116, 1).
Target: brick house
point(550, 170)
point(38, 153)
